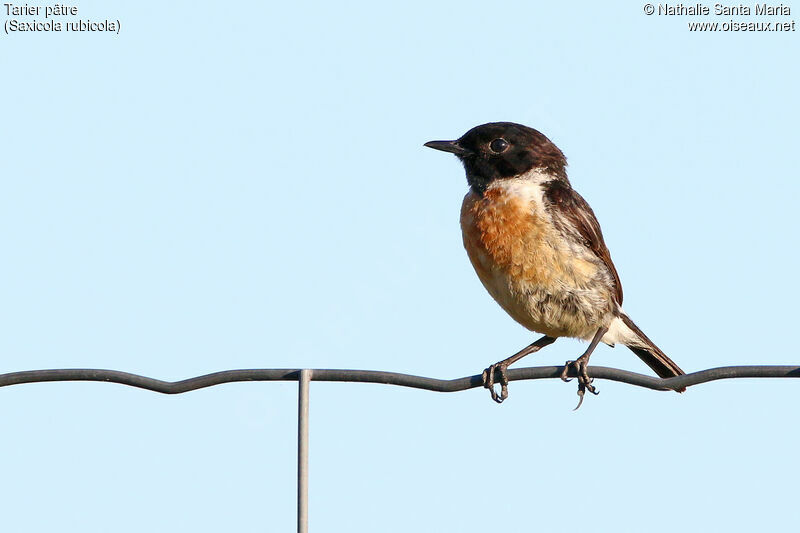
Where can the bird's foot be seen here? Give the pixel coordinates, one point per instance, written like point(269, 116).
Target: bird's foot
point(488, 381)
point(584, 381)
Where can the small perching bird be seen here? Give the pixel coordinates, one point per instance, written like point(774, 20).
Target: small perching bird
point(538, 249)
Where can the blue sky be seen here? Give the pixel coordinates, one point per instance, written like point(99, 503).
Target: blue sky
point(245, 186)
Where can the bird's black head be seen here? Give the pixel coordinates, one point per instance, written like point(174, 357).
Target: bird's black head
point(501, 150)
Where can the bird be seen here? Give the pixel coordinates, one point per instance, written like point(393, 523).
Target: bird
point(538, 249)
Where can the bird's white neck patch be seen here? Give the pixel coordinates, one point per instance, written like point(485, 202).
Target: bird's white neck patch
point(527, 187)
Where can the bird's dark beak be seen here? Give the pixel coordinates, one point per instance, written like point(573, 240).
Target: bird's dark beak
point(448, 146)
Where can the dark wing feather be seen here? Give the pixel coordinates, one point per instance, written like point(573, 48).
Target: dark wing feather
point(581, 225)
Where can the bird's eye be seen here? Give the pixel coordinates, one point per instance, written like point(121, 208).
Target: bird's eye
point(498, 146)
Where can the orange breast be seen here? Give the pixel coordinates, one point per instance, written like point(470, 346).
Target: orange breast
point(542, 279)
point(531, 270)
point(503, 231)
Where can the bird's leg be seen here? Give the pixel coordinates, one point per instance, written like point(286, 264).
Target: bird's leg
point(581, 364)
point(502, 366)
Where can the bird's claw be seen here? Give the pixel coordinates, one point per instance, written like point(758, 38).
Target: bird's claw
point(582, 388)
point(584, 381)
point(488, 382)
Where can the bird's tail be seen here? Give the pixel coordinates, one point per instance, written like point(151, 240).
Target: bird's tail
point(650, 353)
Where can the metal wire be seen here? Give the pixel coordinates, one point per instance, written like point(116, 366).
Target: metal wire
point(302, 451)
point(390, 378)
point(305, 376)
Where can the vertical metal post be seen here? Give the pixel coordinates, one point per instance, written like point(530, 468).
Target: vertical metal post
point(302, 451)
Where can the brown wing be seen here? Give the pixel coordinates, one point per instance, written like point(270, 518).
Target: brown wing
point(577, 221)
